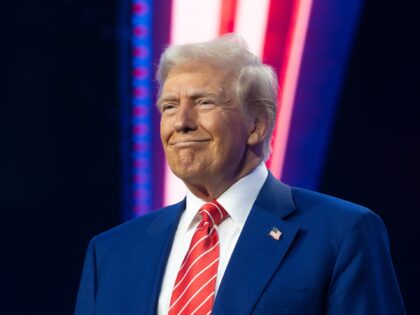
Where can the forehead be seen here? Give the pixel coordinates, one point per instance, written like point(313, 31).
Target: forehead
point(187, 78)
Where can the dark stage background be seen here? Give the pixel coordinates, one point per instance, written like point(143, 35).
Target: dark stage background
point(60, 162)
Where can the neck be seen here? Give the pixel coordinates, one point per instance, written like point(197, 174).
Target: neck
point(213, 188)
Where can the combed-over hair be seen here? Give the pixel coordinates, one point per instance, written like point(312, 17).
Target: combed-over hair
point(254, 83)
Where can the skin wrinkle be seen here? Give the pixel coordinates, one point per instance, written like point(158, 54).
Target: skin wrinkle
point(195, 95)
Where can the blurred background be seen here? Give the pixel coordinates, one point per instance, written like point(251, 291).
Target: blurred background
point(80, 149)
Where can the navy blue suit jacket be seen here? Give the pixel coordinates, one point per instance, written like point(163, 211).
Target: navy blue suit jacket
point(332, 258)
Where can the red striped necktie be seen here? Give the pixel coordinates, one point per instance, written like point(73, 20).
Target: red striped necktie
point(195, 284)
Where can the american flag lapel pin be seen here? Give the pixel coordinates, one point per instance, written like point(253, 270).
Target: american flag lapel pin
point(275, 233)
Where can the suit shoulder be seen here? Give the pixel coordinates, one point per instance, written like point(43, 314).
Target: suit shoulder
point(307, 200)
point(135, 228)
point(334, 217)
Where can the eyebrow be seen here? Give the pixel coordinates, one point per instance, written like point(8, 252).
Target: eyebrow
point(194, 95)
point(161, 100)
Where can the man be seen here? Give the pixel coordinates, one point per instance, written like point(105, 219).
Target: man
point(241, 242)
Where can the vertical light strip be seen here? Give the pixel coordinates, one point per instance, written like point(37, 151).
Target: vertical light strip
point(228, 16)
point(141, 104)
point(192, 21)
point(195, 20)
point(288, 90)
point(251, 23)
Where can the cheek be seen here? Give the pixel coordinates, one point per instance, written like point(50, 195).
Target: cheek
point(235, 132)
point(228, 145)
point(164, 131)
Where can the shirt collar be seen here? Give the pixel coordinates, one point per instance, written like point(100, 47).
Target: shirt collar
point(237, 200)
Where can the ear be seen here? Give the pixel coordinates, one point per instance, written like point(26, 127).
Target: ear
point(258, 128)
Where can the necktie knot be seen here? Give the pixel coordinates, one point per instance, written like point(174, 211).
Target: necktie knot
point(213, 212)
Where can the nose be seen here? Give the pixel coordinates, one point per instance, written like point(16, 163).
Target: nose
point(185, 119)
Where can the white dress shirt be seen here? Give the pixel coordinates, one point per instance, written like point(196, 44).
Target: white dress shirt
point(237, 201)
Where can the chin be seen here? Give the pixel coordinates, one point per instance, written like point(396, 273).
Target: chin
point(186, 164)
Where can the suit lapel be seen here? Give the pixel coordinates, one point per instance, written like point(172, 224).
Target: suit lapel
point(147, 263)
point(257, 255)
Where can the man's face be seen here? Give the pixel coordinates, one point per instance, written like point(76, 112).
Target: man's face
point(204, 130)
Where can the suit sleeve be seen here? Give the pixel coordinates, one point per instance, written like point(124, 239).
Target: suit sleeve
point(86, 295)
point(364, 280)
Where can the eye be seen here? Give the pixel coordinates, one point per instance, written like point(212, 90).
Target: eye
point(168, 107)
point(206, 103)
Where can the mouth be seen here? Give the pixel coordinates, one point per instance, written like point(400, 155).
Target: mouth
point(188, 142)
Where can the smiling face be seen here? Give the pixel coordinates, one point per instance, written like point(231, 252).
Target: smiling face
point(207, 135)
